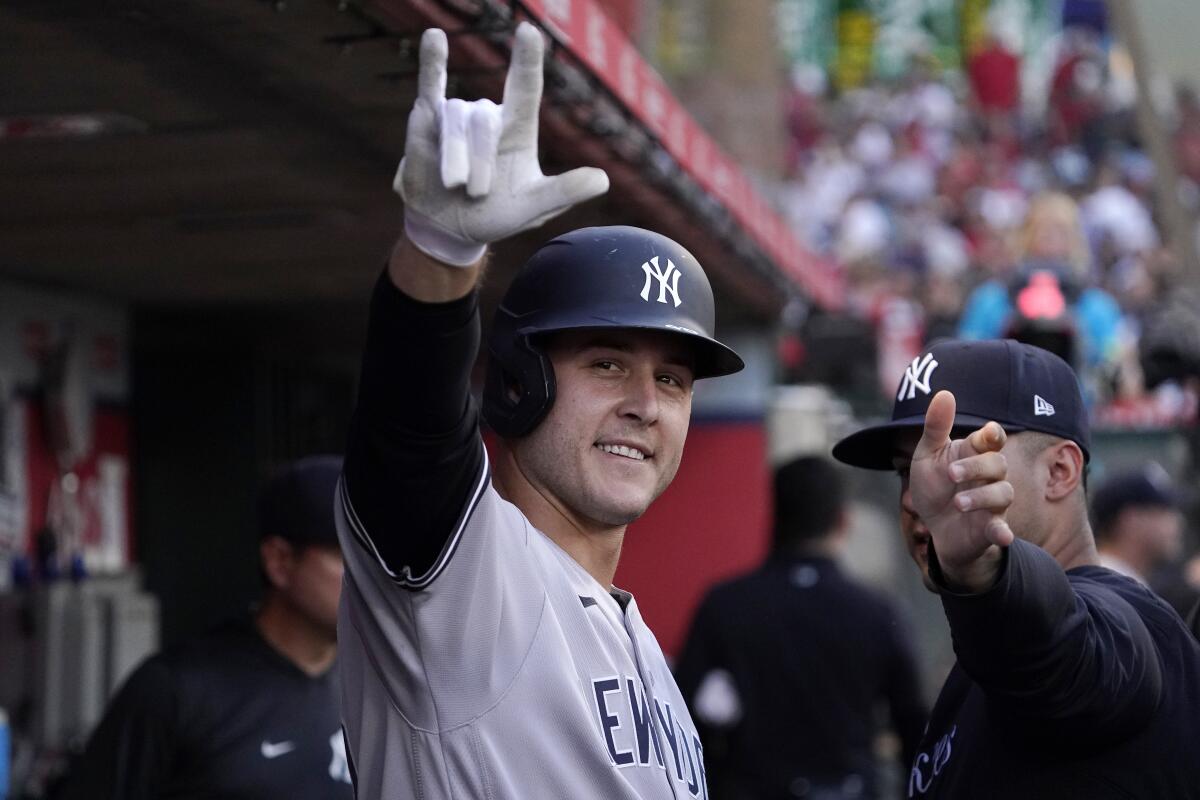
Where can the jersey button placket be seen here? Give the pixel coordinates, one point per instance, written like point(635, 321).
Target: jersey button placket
point(649, 683)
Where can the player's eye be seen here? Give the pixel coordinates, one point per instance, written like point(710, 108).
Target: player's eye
point(670, 380)
point(605, 365)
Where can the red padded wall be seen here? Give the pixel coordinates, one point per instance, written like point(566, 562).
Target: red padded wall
point(711, 523)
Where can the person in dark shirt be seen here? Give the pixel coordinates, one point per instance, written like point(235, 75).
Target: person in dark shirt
point(1139, 532)
point(248, 710)
point(1071, 680)
point(784, 668)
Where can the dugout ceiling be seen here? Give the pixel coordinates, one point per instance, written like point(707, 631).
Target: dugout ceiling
point(237, 154)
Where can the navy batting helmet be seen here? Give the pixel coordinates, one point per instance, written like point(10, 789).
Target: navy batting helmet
point(611, 277)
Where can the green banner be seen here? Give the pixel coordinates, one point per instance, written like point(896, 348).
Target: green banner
point(856, 31)
point(856, 41)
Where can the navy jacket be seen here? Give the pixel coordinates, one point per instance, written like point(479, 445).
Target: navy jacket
point(1068, 684)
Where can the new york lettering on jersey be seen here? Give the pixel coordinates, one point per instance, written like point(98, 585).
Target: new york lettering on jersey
point(633, 725)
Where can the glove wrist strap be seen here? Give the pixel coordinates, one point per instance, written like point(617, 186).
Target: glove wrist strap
point(436, 242)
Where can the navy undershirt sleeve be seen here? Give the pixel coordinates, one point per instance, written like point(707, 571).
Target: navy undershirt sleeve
point(415, 457)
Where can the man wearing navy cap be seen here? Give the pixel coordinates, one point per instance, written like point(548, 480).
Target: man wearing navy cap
point(249, 710)
point(1137, 520)
point(1072, 680)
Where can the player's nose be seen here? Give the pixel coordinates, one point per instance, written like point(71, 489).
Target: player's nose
point(640, 400)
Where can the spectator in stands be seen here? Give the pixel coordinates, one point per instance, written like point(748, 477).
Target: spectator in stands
point(805, 119)
point(995, 75)
point(784, 667)
point(1077, 94)
point(1054, 251)
point(1187, 133)
point(1116, 218)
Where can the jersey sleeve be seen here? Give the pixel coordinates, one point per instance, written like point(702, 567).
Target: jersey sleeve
point(415, 464)
point(131, 753)
point(1057, 657)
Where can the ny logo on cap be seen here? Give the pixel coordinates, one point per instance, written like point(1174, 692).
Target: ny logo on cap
point(668, 281)
point(917, 376)
point(1041, 408)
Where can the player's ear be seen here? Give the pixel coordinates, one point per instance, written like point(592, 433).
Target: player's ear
point(1065, 466)
point(277, 558)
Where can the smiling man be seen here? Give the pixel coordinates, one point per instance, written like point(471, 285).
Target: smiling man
point(1072, 680)
point(485, 651)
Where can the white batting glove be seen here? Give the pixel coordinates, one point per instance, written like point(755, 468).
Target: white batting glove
point(470, 174)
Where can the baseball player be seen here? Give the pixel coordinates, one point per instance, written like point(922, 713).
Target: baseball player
point(1072, 680)
point(484, 650)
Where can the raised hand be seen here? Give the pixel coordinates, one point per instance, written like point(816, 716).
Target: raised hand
point(470, 174)
point(960, 490)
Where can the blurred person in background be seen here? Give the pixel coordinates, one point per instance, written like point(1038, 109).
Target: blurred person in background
point(1052, 301)
point(785, 668)
point(1137, 521)
point(805, 115)
point(1116, 219)
point(249, 710)
point(994, 73)
point(1077, 102)
point(1140, 533)
point(1187, 133)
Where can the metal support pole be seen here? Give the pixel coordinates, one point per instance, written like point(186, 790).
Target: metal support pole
point(1178, 227)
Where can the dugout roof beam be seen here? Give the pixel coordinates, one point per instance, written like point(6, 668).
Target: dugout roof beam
point(236, 154)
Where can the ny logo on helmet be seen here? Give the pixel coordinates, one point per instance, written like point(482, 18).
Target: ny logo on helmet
point(917, 376)
point(668, 281)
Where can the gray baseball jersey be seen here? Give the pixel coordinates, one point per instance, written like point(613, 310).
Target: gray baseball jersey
point(510, 673)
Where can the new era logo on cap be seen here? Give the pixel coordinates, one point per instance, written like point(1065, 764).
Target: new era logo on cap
point(1041, 408)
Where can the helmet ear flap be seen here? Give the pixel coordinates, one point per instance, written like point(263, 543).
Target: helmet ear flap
point(519, 388)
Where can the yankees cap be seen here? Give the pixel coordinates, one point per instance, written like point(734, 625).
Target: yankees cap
point(297, 502)
point(1022, 387)
point(1147, 487)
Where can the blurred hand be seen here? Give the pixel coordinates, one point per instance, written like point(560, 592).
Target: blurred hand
point(959, 490)
point(470, 174)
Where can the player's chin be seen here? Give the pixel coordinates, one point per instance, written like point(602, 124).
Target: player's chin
point(622, 511)
point(928, 581)
point(621, 505)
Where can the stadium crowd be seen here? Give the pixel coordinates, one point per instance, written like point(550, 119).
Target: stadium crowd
point(981, 206)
